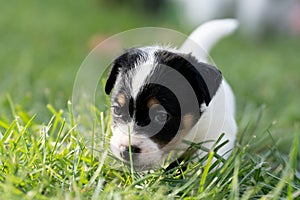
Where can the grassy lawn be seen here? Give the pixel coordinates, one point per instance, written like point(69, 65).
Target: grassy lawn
point(43, 154)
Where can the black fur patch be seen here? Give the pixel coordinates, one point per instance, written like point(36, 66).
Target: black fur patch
point(122, 64)
point(144, 125)
point(204, 78)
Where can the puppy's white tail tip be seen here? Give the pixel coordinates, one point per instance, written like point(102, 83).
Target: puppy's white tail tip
point(209, 33)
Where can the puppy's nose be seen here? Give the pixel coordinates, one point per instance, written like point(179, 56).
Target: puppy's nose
point(124, 151)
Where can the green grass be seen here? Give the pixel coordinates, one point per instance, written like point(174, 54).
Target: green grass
point(45, 154)
point(54, 160)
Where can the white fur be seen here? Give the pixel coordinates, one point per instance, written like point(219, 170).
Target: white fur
point(140, 75)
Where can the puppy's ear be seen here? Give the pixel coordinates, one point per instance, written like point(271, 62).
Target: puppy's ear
point(205, 79)
point(122, 64)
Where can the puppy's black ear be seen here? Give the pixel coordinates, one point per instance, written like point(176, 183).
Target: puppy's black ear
point(122, 64)
point(205, 79)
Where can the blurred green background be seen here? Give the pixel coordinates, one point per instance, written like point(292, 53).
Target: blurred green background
point(43, 43)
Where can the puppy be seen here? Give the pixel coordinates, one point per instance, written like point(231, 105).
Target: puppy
point(163, 97)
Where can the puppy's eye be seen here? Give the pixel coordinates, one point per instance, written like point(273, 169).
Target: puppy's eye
point(161, 117)
point(117, 111)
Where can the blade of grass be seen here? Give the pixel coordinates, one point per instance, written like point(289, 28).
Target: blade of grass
point(235, 181)
point(11, 105)
point(58, 118)
point(205, 172)
point(98, 189)
point(72, 120)
point(97, 172)
point(293, 162)
point(22, 130)
point(58, 137)
point(8, 132)
point(130, 156)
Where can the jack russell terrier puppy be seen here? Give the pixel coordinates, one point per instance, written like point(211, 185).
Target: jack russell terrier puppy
point(164, 96)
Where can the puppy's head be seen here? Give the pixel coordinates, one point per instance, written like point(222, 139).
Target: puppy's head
point(158, 97)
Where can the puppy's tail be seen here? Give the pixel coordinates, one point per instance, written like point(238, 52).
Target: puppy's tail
point(208, 34)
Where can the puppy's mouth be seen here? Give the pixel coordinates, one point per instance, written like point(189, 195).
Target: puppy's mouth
point(139, 160)
point(169, 160)
point(130, 152)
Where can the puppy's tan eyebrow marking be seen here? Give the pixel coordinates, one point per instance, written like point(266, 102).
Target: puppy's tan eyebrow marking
point(152, 102)
point(121, 99)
